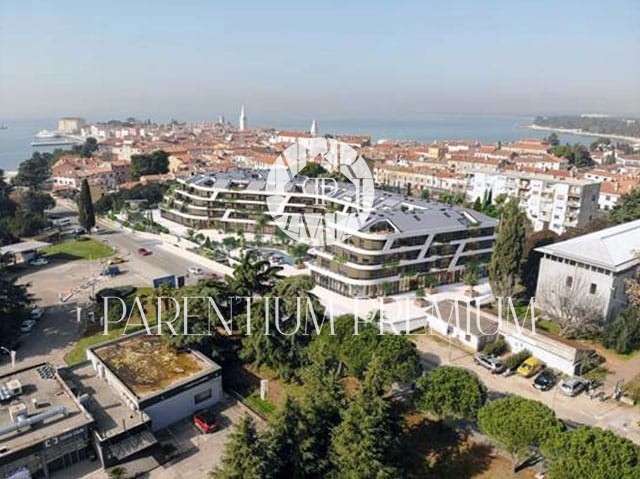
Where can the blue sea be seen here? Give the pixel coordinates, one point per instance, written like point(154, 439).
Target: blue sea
point(15, 142)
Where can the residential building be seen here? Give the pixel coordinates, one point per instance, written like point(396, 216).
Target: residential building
point(587, 273)
point(555, 202)
point(71, 124)
point(402, 241)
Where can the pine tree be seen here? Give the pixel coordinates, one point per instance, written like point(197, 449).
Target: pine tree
point(86, 217)
point(243, 457)
point(283, 440)
point(508, 251)
point(364, 443)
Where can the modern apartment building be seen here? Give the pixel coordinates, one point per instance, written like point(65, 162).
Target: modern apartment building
point(403, 241)
point(551, 202)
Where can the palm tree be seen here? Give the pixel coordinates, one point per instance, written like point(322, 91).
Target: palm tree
point(252, 275)
point(261, 222)
point(471, 277)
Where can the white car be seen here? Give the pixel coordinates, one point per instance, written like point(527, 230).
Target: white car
point(36, 314)
point(27, 326)
point(194, 270)
point(39, 261)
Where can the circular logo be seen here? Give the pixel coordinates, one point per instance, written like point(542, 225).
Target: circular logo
point(327, 209)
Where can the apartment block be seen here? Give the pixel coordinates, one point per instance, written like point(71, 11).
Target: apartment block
point(403, 241)
point(551, 202)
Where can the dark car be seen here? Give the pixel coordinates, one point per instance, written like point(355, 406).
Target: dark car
point(206, 421)
point(144, 252)
point(545, 380)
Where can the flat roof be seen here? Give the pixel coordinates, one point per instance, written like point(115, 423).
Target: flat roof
point(616, 248)
point(147, 364)
point(112, 415)
point(24, 246)
point(42, 383)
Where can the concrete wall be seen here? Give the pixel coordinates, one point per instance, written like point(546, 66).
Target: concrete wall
point(182, 405)
point(552, 286)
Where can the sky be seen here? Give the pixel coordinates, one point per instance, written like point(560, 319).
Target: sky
point(193, 60)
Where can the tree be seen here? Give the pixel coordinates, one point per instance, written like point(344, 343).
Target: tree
point(252, 275)
point(593, 453)
point(508, 251)
point(364, 443)
point(531, 265)
point(89, 147)
point(313, 170)
point(552, 139)
point(33, 172)
point(118, 472)
point(14, 300)
point(471, 275)
point(86, 217)
point(451, 393)
point(425, 194)
point(578, 312)
point(244, 455)
point(283, 442)
point(518, 425)
point(627, 208)
point(153, 163)
point(623, 334)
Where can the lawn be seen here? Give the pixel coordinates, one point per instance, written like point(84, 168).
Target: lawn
point(87, 248)
point(95, 333)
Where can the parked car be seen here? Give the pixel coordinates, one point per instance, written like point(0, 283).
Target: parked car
point(27, 326)
point(110, 270)
point(530, 367)
point(573, 386)
point(206, 421)
point(194, 270)
point(95, 229)
point(493, 364)
point(545, 380)
point(144, 252)
point(39, 261)
point(78, 231)
point(116, 260)
point(36, 314)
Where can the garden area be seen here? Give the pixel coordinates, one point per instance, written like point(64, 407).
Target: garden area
point(79, 248)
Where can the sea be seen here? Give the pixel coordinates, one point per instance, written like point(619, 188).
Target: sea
point(15, 141)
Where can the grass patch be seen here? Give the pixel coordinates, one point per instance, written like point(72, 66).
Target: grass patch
point(78, 249)
point(632, 388)
point(95, 333)
point(264, 408)
point(597, 374)
point(548, 326)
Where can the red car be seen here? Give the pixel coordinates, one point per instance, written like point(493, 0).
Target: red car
point(144, 252)
point(206, 421)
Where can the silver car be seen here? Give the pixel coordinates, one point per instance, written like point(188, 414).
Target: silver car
point(493, 364)
point(572, 386)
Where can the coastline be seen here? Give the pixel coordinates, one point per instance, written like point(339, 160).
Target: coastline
point(569, 131)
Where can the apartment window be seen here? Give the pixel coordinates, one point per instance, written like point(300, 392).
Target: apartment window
point(593, 288)
point(569, 281)
point(203, 396)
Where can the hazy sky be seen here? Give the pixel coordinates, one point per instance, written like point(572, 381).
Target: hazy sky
point(360, 59)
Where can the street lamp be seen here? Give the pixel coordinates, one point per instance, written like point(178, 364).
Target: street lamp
point(12, 354)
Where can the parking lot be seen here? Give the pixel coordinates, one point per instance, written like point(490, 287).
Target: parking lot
point(620, 418)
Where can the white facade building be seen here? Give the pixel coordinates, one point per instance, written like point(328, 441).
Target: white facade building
point(550, 202)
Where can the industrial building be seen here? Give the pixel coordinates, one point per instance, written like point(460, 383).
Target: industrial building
point(106, 408)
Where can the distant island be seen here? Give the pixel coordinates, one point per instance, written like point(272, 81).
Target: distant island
point(591, 125)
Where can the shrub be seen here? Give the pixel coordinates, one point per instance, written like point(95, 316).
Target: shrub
point(515, 360)
point(623, 335)
point(496, 348)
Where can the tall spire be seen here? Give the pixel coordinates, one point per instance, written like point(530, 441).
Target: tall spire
point(314, 128)
point(242, 124)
